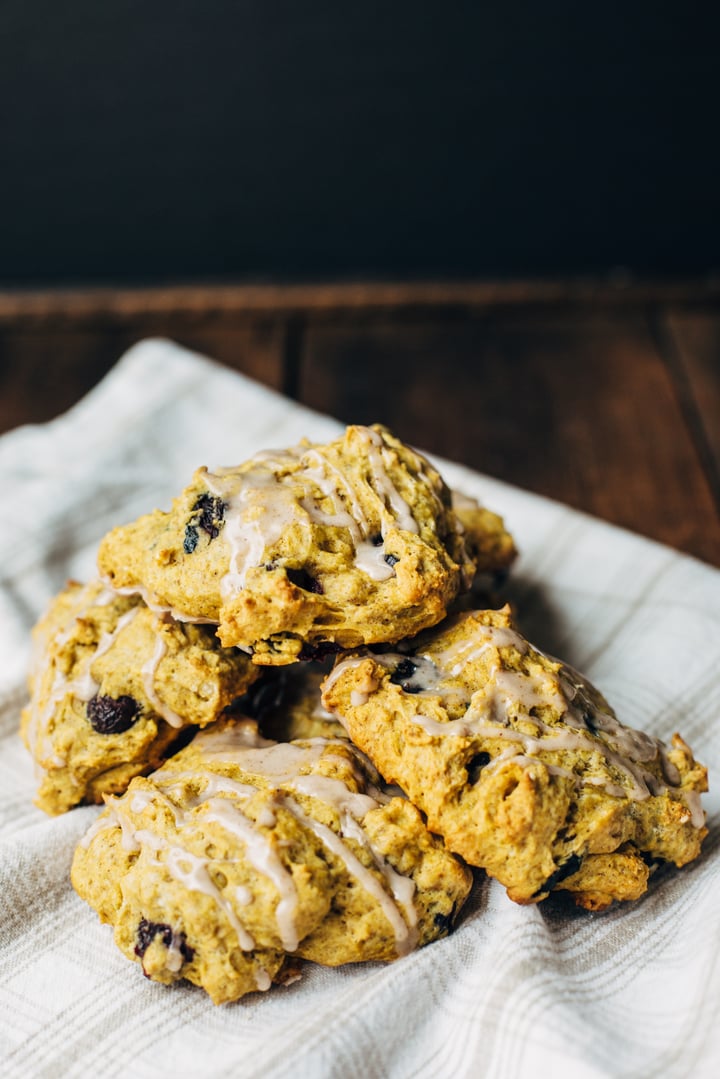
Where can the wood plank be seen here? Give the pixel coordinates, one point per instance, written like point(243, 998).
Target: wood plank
point(45, 370)
point(695, 341)
point(580, 408)
point(341, 300)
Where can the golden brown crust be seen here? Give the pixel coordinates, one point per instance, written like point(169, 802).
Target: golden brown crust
point(489, 543)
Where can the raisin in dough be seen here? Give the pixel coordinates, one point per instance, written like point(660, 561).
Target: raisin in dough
point(111, 686)
point(304, 551)
point(241, 852)
point(519, 763)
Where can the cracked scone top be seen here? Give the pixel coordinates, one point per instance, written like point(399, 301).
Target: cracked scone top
point(304, 550)
point(519, 763)
point(241, 852)
point(111, 686)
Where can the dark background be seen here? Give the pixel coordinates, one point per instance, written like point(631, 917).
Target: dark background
point(169, 140)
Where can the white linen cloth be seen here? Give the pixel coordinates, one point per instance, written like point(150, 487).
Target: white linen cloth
point(515, 991)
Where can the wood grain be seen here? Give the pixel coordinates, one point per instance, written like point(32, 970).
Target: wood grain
point(185, 304)
point(46, 369)
point(582, 409)
point(695, 338)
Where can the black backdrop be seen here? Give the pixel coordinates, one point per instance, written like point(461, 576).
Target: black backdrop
point(151, 140)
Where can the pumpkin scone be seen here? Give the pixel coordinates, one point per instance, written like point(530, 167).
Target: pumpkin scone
point(112, 686)
point(303, 551)
point(241, 852)
point(519, 763)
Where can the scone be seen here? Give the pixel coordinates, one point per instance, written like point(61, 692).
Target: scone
point(519, 763)
point(111, 688)
point(490, 545)
point(241, 852)
point(302, 552)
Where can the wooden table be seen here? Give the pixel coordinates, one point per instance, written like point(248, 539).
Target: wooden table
point(603, 396)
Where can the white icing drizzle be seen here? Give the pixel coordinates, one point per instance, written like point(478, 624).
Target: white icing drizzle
point(174, 958)
point(492, 720)
point(258, 510)
point(462, 652)
point(264, 500)
point(243, 735)
point(368, 557)
point(695, 809)
point(192, 872)
point(261, 855)
point(425, 678)
point(214, 783)
point(280, 762)
point(361, 693)
point(377, 454)
point(339, 669)
point(282, 765)
point(152, 601)
point(509, 756)
point(402, 888)
point(403, 935)
point(585, 726)
point(334, 793)
point(149, 671)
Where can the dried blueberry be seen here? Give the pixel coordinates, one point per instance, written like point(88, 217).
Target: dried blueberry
point(208, 515)
point(319, 650)
point(212, 514)
point(191, 539)
point(391, 559)
point(147, 931)
point(402, 674)
point(112, 715)
point(376, 540)
point(302, 579)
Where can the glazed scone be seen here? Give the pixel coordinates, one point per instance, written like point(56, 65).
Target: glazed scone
point(240, 852)
point(491, 546)
point(519, 763)
point(112, 684)
point(301, 552)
